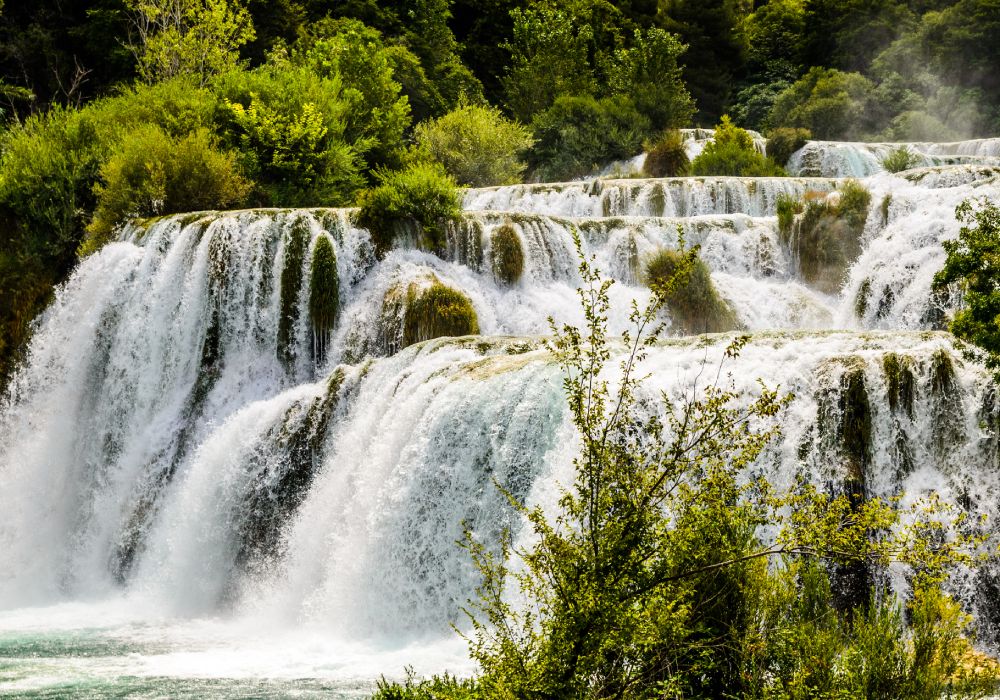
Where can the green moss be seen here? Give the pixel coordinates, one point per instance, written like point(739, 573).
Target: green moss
point(693, 301)
point(296, 240)
point(278, 491)
point(861, 300)
point(899, 382)
point(508, 255)
point(788, 207)
point(437, 311)
point(886, 202)
point(324, 294)
point(825, 234)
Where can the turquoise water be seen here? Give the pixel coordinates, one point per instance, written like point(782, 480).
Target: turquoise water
point(96, 664)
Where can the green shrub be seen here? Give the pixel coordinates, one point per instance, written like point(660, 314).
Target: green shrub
point(649, 75)
point(377, 114)
point(667, 157)
point(577, 135)
point(732, 152)
point(830, 103)
point(476, 145)
point(788, 206)
point(784, 141)
point(899, 159)
point(153, 174)
point(508, 255)
point(425, 310)
point(423, 194)
point(694, 303)
point(971, 266)
point(826, 237)
point(289, 126)
point(437, 688)
point(324, 293)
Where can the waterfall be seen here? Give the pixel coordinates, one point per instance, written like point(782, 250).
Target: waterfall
point(191, 449)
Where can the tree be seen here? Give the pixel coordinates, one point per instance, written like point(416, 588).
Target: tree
point(648, 73)
point(549, 58)
point(830, 103)
point(477, 145)
point(650, 578)
point(973, 266)
point(715, 58)
point(188, 37)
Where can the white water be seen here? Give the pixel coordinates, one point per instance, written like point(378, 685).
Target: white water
point(190, 490)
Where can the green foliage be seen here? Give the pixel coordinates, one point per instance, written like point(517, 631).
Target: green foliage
point(295, 244)
point(422, 194)
point(549, 58)
point(899, 159)
point(649, 75)
point(826, 235)
point(783, 142)
point(437, 688)
point(324, 293)
point(787, 207)
point(828, 102)
point(476, 145)
point(577, 135)
point(152, 174)
point(973, 267)
point(693, 301)
point(667, 157)
point(198, 38)
point(915, 125)
point(650, 579)
point(732, 152)
point(507, 255)
point(715, 58)
point(377, 114)
point(437, 311)
point(288, 124)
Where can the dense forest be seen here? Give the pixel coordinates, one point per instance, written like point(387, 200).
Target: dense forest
point(110, 106)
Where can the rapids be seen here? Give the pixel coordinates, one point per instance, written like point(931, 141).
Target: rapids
point(203, 492)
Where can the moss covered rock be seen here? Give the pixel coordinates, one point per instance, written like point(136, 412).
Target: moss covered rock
point(422, 310)
point(693, 301)
point(296, 242)
point(324, 294)
point(824, 232)
point(507, 255)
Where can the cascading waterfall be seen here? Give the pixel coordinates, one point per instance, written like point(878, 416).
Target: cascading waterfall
point(198, 465)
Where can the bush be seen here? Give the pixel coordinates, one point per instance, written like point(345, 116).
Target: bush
point(899, 159)
point(423, 195)
point(377, 114)
point(667, 157)
point(648, 74)
point(577, 135)
point(784, 141)
point(915, 125)
point(694, 303)
point(828, 102)
point(289, 126)
point(153, 174)
point(732, 152)
point(971, 266)
point(427, 311)
point(476, 145)
point(508, 255)
point(826, 237)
